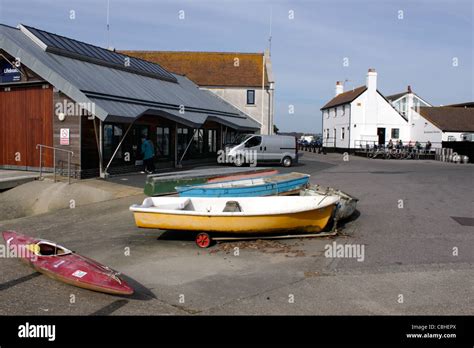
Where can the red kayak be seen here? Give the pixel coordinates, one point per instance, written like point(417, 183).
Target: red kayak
point(65, 265)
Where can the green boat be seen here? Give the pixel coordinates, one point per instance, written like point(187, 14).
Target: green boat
point(166, 183)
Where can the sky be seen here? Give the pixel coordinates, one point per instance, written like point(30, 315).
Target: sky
point(427, 44)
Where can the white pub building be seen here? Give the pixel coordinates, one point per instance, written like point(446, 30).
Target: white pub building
point(362, 115)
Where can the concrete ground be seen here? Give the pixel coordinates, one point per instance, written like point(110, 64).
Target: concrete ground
point(417, 258)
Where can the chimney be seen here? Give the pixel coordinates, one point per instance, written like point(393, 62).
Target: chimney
point(409, 89)
point(371, 80)
point(339, 88)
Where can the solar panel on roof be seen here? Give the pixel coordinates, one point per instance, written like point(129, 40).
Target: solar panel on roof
point(61, 45)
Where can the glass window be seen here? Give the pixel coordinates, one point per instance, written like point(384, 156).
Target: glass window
point(250, 97)
point(112, 136)
point(212, 140)
point(198, 141)
point(395, 133)
point(163, 141)
point(396, 105)
point(254, 141)
point(231, 137)
point(182, 140)
point(403, 106)
point(416, 104)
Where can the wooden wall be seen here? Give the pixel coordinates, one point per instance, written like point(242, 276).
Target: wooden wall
point(25, 121)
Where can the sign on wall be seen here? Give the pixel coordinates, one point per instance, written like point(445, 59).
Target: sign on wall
point(8, 73)
point(64, 136)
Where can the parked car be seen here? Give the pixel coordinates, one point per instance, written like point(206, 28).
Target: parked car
point(264, 148)
point(304, 142)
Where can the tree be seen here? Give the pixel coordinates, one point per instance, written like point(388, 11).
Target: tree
point(275, 129)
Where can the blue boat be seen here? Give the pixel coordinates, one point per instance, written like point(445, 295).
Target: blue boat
point(279, 184)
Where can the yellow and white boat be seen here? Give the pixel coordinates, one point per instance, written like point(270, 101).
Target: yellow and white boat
point(236, 215)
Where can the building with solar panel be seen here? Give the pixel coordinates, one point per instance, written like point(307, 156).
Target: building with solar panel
point(99, 104)
point(245, 80)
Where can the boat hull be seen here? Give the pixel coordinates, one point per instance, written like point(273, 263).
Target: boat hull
point(163, 184)
point(281, 184)
point(345, 207)
point(71, 268)
point(243, 176)
point(306, 221)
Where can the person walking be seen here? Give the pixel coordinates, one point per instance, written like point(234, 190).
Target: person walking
point(148, 152)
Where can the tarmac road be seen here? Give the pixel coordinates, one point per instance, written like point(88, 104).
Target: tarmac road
point(417, 259)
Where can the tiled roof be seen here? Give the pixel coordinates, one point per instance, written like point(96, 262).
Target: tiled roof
point(394, 97)
point(210, 68)
point(345, 97)
point(463, 105)
point(449, 118)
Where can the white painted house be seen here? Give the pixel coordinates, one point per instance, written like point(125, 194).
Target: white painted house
point(444, 123)
point(362, 115)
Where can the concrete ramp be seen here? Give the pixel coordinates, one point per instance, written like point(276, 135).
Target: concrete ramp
point(13, 178)
point(38, 197)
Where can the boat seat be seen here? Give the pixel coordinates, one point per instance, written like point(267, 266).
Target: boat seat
point(178, 204)
point(46, 249)
point(232, 207)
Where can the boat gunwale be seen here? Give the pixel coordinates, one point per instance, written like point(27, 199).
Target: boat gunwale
point(213, 185)
point(135, 208)
point(203, 173)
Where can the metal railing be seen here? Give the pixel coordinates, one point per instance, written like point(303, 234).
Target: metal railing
point(330, 141)
point(370, 144)
point(69, 155)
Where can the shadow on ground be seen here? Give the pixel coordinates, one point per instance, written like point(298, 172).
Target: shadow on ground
point(142, 293)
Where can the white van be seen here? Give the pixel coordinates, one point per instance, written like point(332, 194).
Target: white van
point(263, 148)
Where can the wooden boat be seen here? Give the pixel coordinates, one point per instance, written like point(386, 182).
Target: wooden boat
point(241, 215)
point(280, 184)
point(64, 265)
point(241, 176)
point(165, 183)
point(346, 205)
